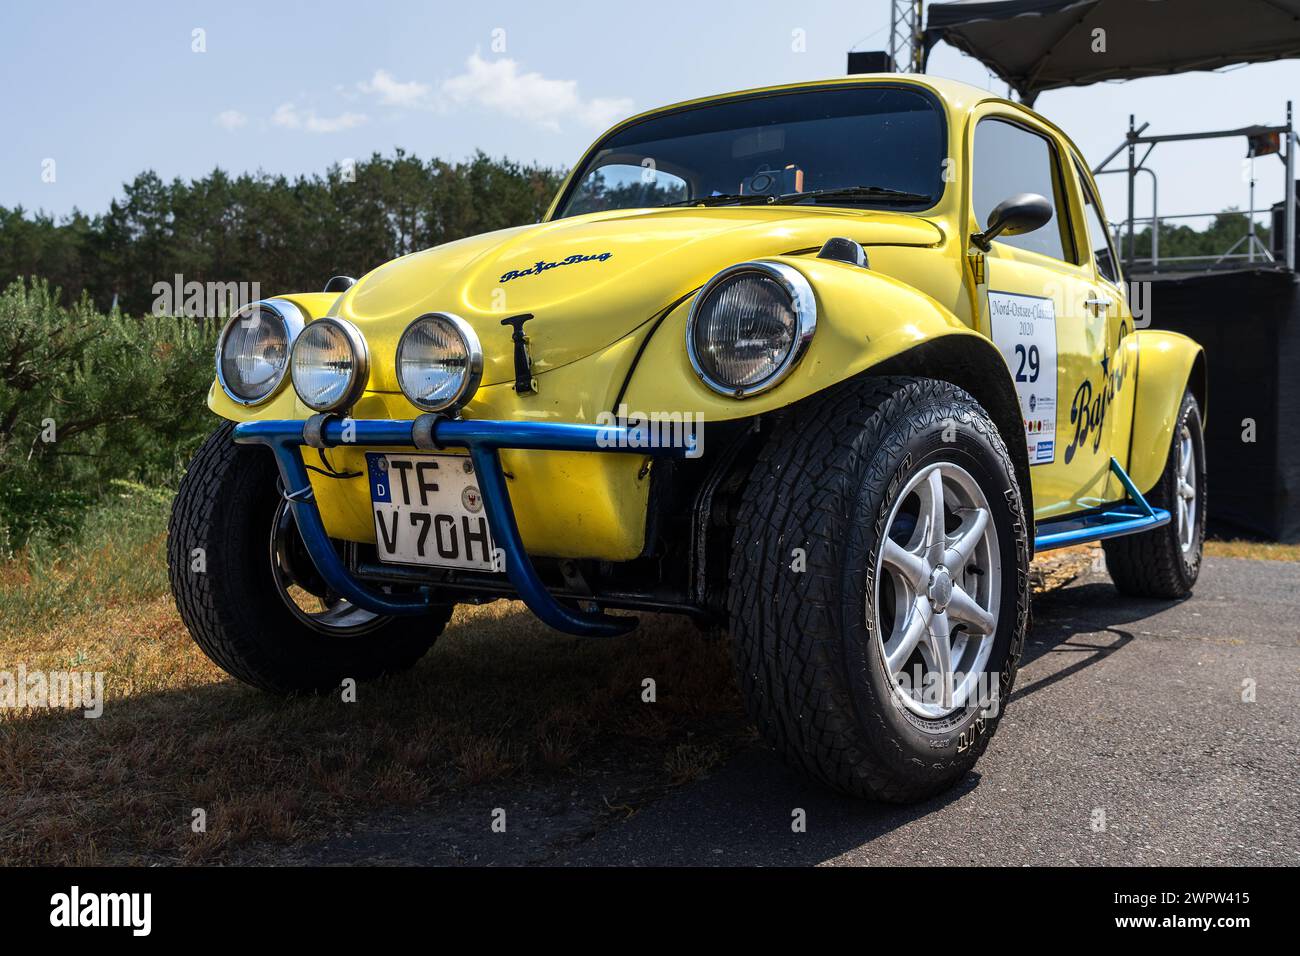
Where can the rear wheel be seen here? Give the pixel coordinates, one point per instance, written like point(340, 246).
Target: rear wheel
point(879, 586)
point(250, 595)
point(1164, 562)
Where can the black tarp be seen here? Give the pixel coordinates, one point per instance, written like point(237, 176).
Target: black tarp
point(1249, 324)
point(1037, 45)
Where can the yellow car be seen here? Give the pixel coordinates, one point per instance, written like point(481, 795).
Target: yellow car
point(822, 364)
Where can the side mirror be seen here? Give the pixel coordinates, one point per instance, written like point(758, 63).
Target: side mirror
point(1023, 212)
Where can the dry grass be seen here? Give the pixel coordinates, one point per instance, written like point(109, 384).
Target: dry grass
point(1258, 550)
point(1057, 568)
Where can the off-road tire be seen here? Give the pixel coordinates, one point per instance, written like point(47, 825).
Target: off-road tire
point(1152, 564)
point(810, 667)
point(221, 522)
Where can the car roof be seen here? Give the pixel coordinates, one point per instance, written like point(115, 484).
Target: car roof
point(954, 93)
point(958, 97)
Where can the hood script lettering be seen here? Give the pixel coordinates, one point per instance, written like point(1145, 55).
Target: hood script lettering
point(542, 265)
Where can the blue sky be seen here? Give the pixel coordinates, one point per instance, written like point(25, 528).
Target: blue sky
point(106, 90)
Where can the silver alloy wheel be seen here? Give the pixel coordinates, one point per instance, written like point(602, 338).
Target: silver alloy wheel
point(1186, 496)
point(298, 585)
point(937, 591)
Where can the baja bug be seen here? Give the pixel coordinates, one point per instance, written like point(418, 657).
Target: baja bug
point(884, 320)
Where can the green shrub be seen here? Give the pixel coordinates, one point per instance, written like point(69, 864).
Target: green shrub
point(88, 398)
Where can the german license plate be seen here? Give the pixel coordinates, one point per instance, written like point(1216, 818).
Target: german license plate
point(428, 510)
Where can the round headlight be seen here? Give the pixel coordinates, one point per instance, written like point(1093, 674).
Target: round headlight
point(439, 362)
point(749, 326)
point(253, 349)
point(330, 365)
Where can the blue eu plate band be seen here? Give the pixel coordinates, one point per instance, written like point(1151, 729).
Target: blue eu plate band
point(484, 439)
point(1110, 522)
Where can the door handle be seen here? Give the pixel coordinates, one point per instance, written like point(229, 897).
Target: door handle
point(1098, 301)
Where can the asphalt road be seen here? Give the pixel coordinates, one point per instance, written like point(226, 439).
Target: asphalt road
point(1127, 742)
point(1131, 708)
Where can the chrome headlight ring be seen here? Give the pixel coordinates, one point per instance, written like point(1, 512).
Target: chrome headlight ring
point(803, 304)
point(471, 355)
point(358, 354)
point(283, 311)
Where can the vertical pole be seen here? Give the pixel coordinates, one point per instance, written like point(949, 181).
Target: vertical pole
point(906, 50)
point(1155, 221)
point(893, 32)
point(1250, 219)
point(1289, 218)
point(918, 45)
point(1132, 176)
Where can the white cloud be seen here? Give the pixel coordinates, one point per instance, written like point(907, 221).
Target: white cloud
point(230, 120)
point(499, 85)
point(290, 117)
point(392, 92)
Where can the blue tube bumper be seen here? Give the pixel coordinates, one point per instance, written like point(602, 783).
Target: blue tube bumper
point(483, 439)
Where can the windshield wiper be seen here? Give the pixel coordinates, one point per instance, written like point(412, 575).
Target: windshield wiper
point(874, 193)
point(719, 198)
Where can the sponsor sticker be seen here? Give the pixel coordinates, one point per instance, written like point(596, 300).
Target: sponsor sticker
point(1024, 330)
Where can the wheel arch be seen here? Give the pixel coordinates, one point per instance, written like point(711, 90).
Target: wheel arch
point(976, 366)
point(1168, 365)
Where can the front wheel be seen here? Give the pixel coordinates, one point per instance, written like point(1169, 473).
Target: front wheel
point(1164, 562)
point(880, 586)
point(249, 594)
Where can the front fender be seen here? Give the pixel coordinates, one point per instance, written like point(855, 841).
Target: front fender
point(1168, 364)
point(864, 318)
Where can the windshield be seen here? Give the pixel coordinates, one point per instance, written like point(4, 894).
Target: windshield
point(855, 146)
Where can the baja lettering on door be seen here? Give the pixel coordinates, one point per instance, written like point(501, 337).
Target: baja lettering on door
point(1023, 328)
point(1091, 402)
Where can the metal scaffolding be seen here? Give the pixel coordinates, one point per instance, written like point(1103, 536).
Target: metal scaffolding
point(906, 49)
point(1247, 250)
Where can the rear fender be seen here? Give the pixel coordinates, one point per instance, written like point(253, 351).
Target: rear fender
point(1169, 364)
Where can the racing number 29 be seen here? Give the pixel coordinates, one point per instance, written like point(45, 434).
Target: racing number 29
point(1028, 357)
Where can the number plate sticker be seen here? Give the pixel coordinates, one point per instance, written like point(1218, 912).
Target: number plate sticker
point(1024, 329)
point(428, 510)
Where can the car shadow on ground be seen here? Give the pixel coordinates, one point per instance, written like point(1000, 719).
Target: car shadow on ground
point(745, 814)
point(1087, 620)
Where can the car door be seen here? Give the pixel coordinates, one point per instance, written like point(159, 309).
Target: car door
point(1032, 303)
point(1109, 297)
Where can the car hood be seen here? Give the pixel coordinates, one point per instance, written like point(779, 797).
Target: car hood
point(590, 280)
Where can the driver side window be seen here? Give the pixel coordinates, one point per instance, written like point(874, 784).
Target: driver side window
point(1011, 159)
